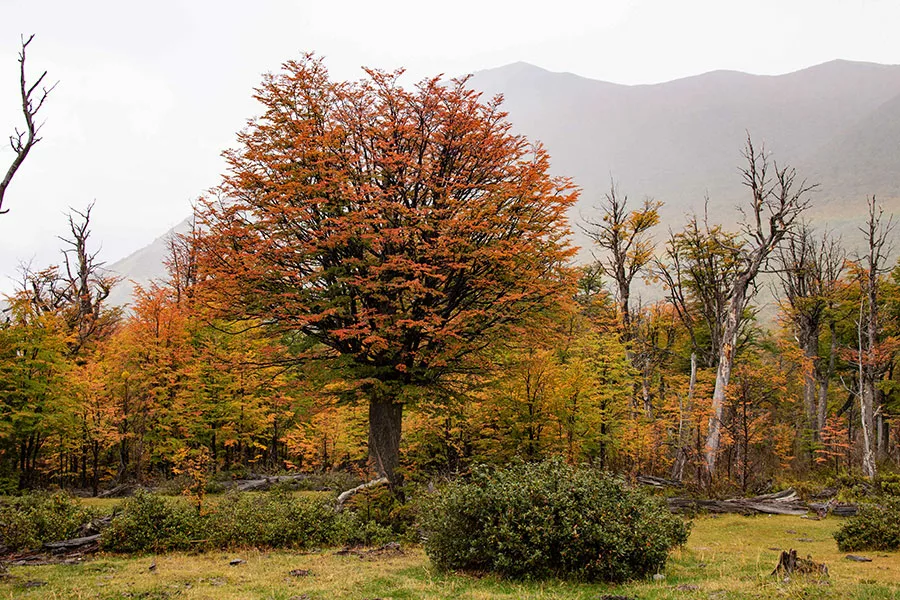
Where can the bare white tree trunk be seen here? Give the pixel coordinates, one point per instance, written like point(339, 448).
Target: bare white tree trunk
point(723, 376)
point(866, 402)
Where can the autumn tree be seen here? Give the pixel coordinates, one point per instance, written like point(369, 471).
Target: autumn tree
point(776, 201)
point(697, 269)
point(398, 232)
point(23, 141)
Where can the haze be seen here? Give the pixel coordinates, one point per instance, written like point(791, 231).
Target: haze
point(150, 94)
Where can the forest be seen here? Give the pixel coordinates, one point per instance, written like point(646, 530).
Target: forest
point(384, 284)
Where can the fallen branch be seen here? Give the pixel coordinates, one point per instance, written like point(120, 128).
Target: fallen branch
point(344, 496)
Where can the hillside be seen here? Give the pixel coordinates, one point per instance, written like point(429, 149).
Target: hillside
point(680, 141)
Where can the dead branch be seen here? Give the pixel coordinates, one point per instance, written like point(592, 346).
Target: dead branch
point(22, 141)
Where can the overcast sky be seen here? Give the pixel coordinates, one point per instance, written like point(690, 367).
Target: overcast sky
point(150, 93)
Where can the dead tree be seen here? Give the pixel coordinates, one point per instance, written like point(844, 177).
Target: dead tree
point(623, 236)
point(870, 268)
point(87, 285)
point(776, 201)
point(809, 269)
point(32, 102)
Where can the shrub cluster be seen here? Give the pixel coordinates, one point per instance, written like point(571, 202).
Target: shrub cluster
point(29, 521)
point(875, 527)
point(549, 519)
point(149, 522)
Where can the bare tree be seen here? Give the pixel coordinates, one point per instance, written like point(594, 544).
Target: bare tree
point(623, 236)
point(32, 101)
point(869, 364)
point(776, 202)
point(87, 284)
point(809, 269)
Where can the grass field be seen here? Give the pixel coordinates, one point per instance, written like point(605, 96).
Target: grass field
point(726, 557)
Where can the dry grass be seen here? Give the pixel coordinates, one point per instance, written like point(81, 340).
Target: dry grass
point(726, 557)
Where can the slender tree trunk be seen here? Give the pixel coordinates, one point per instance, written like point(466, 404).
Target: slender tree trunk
point(810, 344)
point(866, 403)
point(825, 380)
point(684, 425)
point(385, 423)
point(723, 374)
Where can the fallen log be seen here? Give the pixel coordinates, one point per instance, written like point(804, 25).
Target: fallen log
point(263, 483)
point(659, 482)
point(344, 496)
point(780, 503)
point(80, 543)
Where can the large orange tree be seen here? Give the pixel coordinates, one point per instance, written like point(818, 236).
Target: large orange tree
point(398, 233)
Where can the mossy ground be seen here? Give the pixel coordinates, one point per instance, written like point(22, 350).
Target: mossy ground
point(726, 557)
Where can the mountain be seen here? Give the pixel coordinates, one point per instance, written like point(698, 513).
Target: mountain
point(680, 141)
point(143, 266)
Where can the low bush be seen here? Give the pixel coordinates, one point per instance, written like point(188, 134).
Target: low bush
point(29, 521)
point(275, 519)
point(549, 519)
point(875, 527)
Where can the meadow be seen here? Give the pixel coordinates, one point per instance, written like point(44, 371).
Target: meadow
point(726, 557)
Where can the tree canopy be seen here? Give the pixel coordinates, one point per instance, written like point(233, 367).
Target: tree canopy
point(401, 230)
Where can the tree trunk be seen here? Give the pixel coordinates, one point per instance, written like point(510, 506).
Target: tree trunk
point(866, 404)
point(810, 344)
point(723, 374)
point(385, 422)
point(684, 425)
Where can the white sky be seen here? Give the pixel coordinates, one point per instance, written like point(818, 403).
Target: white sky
point(151, 92)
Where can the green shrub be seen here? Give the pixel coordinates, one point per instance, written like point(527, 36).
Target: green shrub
point(382, 507)
point(150, 522)
point(29, 521)
point(274, 520)
point(875, 527)
point(549, 519)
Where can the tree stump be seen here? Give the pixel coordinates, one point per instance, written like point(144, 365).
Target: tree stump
point(789, 564)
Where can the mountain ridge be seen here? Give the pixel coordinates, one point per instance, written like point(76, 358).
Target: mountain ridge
point(680, 141)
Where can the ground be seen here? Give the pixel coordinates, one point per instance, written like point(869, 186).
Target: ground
point(726, 557)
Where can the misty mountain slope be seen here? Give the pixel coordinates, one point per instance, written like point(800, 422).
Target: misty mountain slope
point(143, 266)
point(678, 141)
point(838, 123)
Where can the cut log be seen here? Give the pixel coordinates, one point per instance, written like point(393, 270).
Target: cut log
point(344, 496)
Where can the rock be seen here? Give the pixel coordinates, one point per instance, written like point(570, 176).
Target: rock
point(659, 577)
point(299, 573)
point(805, 540)
point(856, 558)
point(687, 587)
point(34, 583)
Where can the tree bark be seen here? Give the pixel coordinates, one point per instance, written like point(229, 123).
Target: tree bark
point(810, 344)
point(723, 373)
point(684, 425)
point(385, 423)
